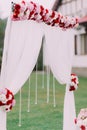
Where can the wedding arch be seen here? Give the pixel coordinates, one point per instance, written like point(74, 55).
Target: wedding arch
point(26, 25)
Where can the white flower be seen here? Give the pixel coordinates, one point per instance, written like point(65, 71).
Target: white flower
point(85, 122)
point(38, 9)
point(79, 123)
point(30, 6)
point(73, 21)
point(27, 13)
point(4, 91)
point(10, 97)
point(3, 98)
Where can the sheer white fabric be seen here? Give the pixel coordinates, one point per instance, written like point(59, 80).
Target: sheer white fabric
point(21, 49)
point(60, 53)
point(2, 120)
point(60, 50)
point(20, 53)
point(69, 111)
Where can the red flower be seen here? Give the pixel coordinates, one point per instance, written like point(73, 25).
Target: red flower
point(1, 104)
point(17, 7)
point(17, 12)
point(10, 107)
point(31, 13)
point(47, 11)
point(9, 102)
point(23, 2)
point(15, 16)
point(53, 14)
point(72, 88)
point(41, 7)
point(74, 80)
point(75, 121)
point(7, 95)
point(83, 127)
point(73, 74)
point(61, 24)
point(41, 10)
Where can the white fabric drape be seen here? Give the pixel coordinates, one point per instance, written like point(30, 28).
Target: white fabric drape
point(60, 50)
point(60, 53)
point(2, 120)
point(69, 111)
point(21, 53)
point(21, 49)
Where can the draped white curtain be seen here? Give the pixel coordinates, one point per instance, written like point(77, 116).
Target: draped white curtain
point(69, 111)
point(21, 49)
point(60, 49)
point(60, 52)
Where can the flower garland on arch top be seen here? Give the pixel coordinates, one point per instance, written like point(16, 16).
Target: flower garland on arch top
point(7, 100)
point(74, 83)
point(33, 11)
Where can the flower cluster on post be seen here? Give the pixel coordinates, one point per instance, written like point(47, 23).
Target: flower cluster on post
point(74, 83)
point(36, 12)
point(81, 120)
point(7, 100)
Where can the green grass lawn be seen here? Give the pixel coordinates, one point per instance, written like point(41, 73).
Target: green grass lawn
point(44, 116)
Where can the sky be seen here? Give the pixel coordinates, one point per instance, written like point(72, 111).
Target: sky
point(5, 6)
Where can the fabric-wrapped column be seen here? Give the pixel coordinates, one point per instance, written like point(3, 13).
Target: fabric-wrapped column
point(21, 49)
point(2, 120)
point(69, 110)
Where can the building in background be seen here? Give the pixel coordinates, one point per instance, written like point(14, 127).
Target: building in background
point(78, 8)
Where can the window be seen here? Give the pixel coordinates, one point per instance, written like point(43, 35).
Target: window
point(84, 44)
point(80, 44)
point(75, 45)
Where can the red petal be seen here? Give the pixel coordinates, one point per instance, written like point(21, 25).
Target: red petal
point(72, 88)
point(75, 121)
point(9, 102)
point(83, 127)
point(17, 6)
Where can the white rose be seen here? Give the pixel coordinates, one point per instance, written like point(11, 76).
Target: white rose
point(10, 97)
point(3, 98)
point(85, 122)
point(79, 123)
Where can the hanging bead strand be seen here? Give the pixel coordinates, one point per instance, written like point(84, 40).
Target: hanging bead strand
point(28, 95)
point(54, 97)
point(20, 109)
point(43, 65)
point(36, 83)
point(48, 83)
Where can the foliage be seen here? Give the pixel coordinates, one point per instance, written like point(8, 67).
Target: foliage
point(44, 116)
point(2, 33)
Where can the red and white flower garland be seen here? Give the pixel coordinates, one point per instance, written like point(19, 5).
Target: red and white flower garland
point(7, 100)
point(81, 120)
point(74, 83)
point(33, 11)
